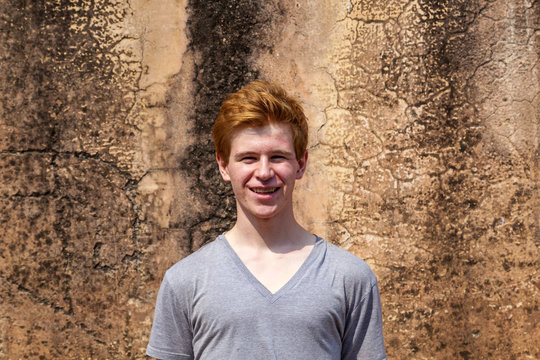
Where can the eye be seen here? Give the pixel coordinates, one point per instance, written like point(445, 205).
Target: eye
point(248, 159)
point(279, 158)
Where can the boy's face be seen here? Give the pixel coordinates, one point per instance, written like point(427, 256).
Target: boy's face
point(262, 168)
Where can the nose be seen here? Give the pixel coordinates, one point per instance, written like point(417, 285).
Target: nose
point(264, 169)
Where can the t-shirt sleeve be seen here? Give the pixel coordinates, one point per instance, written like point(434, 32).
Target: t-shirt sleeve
point(171, 336)
point(363, 336)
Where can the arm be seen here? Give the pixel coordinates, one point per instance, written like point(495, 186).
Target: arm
point(363, 337)
point(171, 334)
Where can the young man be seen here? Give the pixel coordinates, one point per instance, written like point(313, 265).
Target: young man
point(267, 288)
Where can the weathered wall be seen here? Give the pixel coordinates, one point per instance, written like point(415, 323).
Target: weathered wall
point(429, 139)
point(423, 160)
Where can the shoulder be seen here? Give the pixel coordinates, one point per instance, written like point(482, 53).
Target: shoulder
point(350, 266)
point(351, 276)
point(194, 264)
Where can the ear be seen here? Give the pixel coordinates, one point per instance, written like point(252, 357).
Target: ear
point(302, 162)
point(223, 170)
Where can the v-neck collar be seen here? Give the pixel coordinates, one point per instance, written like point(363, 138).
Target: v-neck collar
point(263, 290)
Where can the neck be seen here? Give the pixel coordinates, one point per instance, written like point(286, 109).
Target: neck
point(279, 234)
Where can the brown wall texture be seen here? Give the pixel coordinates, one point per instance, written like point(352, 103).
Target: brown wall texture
point(424, 160)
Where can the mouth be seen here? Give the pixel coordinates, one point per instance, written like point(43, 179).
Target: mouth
point(265, 190)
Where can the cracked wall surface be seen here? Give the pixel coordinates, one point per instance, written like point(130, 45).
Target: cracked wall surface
point(423, 160)
point(426, 118)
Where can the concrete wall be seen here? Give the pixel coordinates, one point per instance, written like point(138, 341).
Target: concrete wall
point(423, 160)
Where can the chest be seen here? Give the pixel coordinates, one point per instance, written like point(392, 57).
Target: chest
point(235, 302)
point(274, 272)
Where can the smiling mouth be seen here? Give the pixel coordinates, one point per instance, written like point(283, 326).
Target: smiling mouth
point(268, 190)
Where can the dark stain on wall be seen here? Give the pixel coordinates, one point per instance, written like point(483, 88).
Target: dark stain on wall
point(446, 125)
point(67, 224)
point(224, 37)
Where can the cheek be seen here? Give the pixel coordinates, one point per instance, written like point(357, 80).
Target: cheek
point(239, 176)
point(288, 172)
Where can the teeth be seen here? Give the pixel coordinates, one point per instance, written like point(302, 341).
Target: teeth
point(264, 190)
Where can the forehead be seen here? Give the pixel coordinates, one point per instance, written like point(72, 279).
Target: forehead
point(267, 137)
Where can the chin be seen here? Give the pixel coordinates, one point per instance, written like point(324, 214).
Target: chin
point(265, 214)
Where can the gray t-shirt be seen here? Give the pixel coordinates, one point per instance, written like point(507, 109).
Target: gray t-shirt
point(210, 306)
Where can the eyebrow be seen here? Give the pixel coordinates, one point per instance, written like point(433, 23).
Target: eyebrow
point(282, 152)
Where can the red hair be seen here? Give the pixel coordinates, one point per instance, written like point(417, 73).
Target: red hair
point(255, 105)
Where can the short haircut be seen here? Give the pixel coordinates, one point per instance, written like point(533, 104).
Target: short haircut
point(258, 104)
